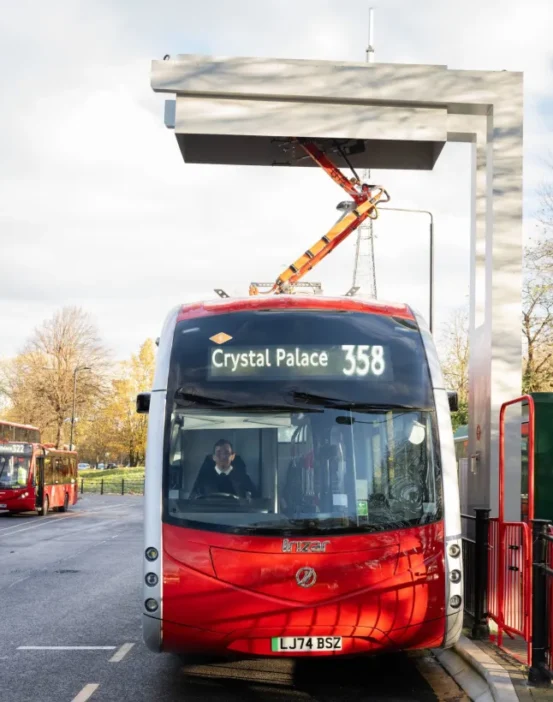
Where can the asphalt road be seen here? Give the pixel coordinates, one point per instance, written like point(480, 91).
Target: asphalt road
point(74, 580)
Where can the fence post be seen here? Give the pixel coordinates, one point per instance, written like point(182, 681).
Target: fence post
point(82, 485)
point(102, 486)
point(539, 674)
point(122, 486)
point(480, 628)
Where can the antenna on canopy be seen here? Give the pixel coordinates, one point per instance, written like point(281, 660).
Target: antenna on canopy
point(364, 268)
point(370, 48)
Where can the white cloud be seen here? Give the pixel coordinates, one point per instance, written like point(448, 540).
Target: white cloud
point(98, 209)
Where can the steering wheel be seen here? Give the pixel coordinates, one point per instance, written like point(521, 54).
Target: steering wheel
point(218, 494)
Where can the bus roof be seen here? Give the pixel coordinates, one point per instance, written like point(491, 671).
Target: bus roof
point(19, 426)
point(306, 302)
point(51, 448)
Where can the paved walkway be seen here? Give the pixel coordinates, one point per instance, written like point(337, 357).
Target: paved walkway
point(518, 673)
point(511, 661)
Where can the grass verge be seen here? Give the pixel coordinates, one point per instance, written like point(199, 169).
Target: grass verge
point(114, 481)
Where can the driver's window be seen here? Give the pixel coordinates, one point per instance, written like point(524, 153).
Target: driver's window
point(192, 452)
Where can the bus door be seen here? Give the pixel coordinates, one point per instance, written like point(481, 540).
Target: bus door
point(39, 480)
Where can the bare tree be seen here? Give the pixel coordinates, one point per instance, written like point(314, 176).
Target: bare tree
point(39, 382)
point(545, 213)
point(537, 316)
point(453, 348)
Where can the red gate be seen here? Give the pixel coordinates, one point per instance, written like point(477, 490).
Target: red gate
point(510, 556)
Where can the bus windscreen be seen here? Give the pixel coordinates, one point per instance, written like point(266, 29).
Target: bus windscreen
point(15, 462)
point(267, 432)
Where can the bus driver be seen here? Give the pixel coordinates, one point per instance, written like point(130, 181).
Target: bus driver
point(219, 474)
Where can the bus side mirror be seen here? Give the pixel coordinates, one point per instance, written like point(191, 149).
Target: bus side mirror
point(453, 398)
point(143, 403)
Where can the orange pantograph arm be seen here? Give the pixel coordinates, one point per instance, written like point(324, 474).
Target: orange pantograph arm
point(328, 242)
point(365, 207)
point(335, 173)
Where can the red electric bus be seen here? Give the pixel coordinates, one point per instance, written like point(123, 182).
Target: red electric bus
point(301, 488)
point(36, 476)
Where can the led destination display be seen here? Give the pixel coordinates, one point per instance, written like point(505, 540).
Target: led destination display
point(13, 449)
point(274, 362)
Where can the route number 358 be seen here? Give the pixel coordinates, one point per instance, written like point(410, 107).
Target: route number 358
point(364, 360)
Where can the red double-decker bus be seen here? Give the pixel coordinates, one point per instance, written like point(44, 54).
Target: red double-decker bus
point(34, 476)
point(301, 488)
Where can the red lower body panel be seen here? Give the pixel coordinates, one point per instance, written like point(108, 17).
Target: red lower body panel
point(56, 494)
point(14, 502)
point(230, 594)
point(178, 638)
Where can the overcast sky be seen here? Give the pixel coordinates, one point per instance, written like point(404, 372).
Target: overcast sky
point(98, 209)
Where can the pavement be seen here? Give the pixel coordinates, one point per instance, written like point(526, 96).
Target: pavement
point(482, 677)
point(70, 623)
point(517, 672)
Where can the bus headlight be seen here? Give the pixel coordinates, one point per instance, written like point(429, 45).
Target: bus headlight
point(455, 576)
point(455, 601)
point(151, 553)
point(151, 604)
point(454, 551)
point(151, 579)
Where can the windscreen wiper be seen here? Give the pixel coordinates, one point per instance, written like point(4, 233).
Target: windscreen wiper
point(333, 402)
point(216, 403)
point(309, 397)
point(290, 409)
point(202, 400)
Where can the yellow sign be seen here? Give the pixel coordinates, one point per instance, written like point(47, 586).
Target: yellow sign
point(220, 338)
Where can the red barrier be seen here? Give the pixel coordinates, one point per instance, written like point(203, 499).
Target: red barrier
point(510, 568)
point(510, 606)
point(493, 570)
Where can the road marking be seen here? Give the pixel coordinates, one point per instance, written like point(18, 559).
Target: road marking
point(101, 509)
point(121, 653)
point(86, 693)
point(66, 648)
point(16, 528)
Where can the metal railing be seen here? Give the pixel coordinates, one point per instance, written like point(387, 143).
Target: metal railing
point(110, 486)
point(540, 673)
point(509, 568)
point(475, 565)
point(520, 600)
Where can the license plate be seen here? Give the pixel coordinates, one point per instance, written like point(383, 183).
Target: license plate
point(294, 644)
point(3, 506)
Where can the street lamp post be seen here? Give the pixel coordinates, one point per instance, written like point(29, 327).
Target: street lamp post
point(77, 369)
point(431, 257)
